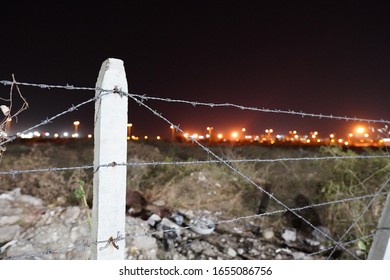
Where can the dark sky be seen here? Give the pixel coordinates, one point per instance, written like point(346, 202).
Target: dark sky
point(329, 57)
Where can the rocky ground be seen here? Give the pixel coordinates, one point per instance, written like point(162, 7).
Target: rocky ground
point(30, 230)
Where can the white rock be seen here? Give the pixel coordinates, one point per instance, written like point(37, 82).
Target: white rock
point(168, 223)
point(268, 234)
point(289, 235)
point(298, 255)
point(196, 246)
point(312, 242)
point(231, 252)
point(201, 177)
point(8, 220)
point(153, 220)
point(278, 257)
point(7, 233)
point(253, 252)
point(240, 251)
point(283, 250)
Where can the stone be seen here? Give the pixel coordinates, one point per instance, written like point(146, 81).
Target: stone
point(11, 195)
point(5, 206)
point(289, 235)
point(230, 252)
point(8, 233)
point(28, 199)
point(153, 220)
point(283, 250)
point(312, 242)
point(178, 218)
point(172, 225)
point(210, 251)
point(146, 245)
point(196, 246)
point(240, 251)
point(254, 252)
point(298, 255)
point(268, 234)
point(8, 220)
point(278, 257)
point(140, 243)
point(71, 215)
point(201, 177)
point(189, 214)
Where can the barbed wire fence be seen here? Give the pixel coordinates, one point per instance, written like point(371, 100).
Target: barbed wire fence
point(141, 100)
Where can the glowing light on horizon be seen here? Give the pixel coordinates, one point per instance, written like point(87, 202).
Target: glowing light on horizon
point(360, 129)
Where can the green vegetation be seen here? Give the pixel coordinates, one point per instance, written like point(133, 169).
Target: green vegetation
point(81, 195)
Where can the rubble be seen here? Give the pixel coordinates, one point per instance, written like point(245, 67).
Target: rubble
point(30, 230)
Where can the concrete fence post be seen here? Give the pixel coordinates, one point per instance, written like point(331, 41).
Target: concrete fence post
point(380, 248)
point(109, 183)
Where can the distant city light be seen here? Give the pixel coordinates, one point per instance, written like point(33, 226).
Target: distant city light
point(65, 134)
point(89, 136)
point(29, 135)
point(360, 130)
point(194, 136)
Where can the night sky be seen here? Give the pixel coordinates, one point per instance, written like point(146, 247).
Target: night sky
point(329, 57)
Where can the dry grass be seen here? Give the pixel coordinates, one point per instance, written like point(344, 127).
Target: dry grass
point(215, 187)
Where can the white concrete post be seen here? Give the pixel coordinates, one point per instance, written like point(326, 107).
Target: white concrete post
point(380, 248)
point(109, 183)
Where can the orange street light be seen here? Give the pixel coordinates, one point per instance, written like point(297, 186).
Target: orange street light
point(172, 132)
point(210, 129)
point(76, 127)
point(235, 135)
point(129, 125)
point(360, 130)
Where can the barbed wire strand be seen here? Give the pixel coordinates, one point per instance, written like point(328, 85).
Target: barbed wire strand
point(264, 110)
point(48, 120)
point(337, 243)
point(247, 178)
point(211, 105)
point(46, 86)
point(365, 210)
point(321, 251)
point(196, 162)
point(87, 243)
